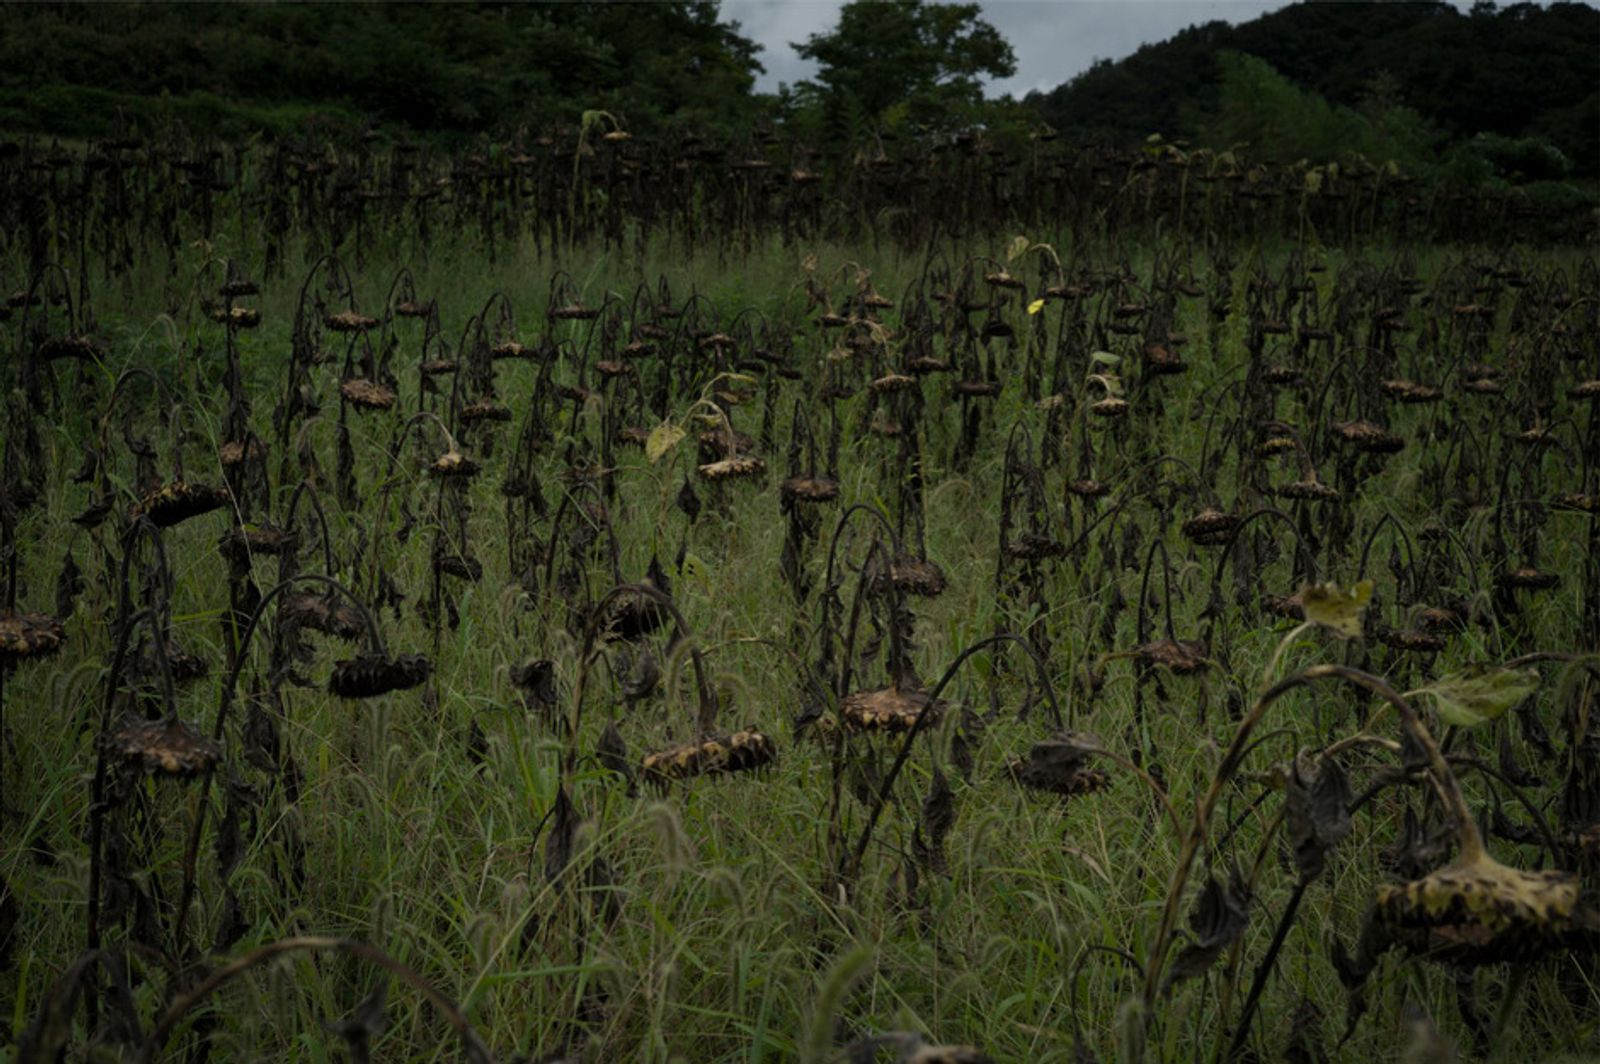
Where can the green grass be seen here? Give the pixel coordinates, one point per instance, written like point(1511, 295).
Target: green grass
point(726, 946)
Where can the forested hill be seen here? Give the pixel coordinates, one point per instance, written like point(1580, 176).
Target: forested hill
point(1522, 71)
point(466, 68)
point(1492, 94)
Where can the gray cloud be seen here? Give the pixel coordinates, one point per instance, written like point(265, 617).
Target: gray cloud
point(1053, 39)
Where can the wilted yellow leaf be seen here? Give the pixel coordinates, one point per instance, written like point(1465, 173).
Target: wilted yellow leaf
point(663, 438)
point(1480, 693)
point(1036, 306)
point(1337, 608)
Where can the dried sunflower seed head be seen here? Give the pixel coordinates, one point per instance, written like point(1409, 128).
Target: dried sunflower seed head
point(1210, 528)
point(739, 752)
point(1369, 438)
point(1179, 656)
point(163, 747)
point(179, 501)
point(366, 394)
point(1530, 578)
point(326, 615)
point(29, 635)
point(1478, 911)
point(453, 464)
point(914, 576)
point(812, 489)
point(733, 468)
point(1060, 766)
point(242, 544)
point(373, 674)
point(1034, 546)
point(483, 410)
point(1309, 490)
point(348, 321)
point(888, 709)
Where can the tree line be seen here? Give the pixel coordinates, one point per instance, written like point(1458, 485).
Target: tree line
point(1508, 93)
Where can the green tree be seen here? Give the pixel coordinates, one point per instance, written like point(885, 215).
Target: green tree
point(926, 59)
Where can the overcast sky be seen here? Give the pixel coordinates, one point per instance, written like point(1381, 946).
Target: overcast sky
point(1052, 39)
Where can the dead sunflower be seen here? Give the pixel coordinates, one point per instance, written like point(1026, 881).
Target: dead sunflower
point(366, 394)
point(1368, 438)
point(888, 710)
point(348, 321)
point(28, 635)
point(1210, 528)
point(163, 747)
point(1181, 657)
point(736, 467)
point(809, 489)
point(483, 410)
point(371, 675)
point(454, 464)
point(914, 576)
point(1060, 766)
point(179, 501)
point(322, 614)
point(1479, 911)
point(739, 752)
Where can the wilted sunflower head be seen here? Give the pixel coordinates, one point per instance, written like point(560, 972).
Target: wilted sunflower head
point(1308, 490)
point(888, 709)
point(735, 467)
point(1369, 438)
point(322, 614)
point(1530, 578)
point(348, 321)
point(1210, 528)
point(373, 674)
point(236, 452)
point(739, 752)
point(913, 576)
point(29, 635)
point(1181, 657)
point(179, 501)
point(166, 747)
point(453, 464)
point(483, 410)
point(1410, 392)
point(1479, 911)
point(1060, 765)
point(238, 317)
point(812, 489)
point(1034, 546)
point(893, 382)
point(366, 394)
point(242, 544)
